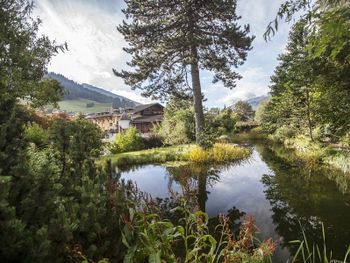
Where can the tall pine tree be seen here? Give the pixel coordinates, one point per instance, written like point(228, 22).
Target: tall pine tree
point(172, 41)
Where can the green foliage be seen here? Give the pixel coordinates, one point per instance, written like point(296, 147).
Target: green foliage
point(282, 133)
point(156, 240)
point(12, 143)
point(177, 126)
point(77, 142)
point(220, 122)
point(243, 110)
point(127, 141)
point(193, 36)
point(255, 134)
point(156, 155)
point(227, 120)
point(25, 56)
point(306, 85)
point(340, 160)
point(36, 134)
point(312, 253)
point(260, 110)
point(152, 141)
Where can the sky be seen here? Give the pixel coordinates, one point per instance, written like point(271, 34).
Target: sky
point(95, 47)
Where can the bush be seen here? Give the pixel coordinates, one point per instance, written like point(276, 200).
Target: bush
point(35, 134)
point(282, 133)
point(309, 151)
point(129, 140)
point(177, 127)
point(153, 141)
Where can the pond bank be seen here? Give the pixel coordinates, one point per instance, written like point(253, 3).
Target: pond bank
point(319, 153)
point(149, 156)
point(314, 153)
point(220, 153)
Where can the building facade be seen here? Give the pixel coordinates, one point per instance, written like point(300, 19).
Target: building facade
point(142, 117)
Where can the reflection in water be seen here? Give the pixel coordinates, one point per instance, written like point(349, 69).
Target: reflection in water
point(273, 187)
point(194, 180)
point(306, 195)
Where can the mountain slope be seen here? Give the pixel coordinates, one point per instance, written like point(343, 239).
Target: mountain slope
point(75, 91)
point(255, 101)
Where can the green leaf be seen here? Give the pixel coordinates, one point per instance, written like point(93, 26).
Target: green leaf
point(155, 258)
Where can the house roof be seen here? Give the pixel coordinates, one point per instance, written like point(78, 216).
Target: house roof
point(147, 119)
point(99, 115)
point(145, 106)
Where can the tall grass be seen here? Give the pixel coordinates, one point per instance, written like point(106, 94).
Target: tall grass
point(340, 160)
point(219, 153)
point(316, 253)
point(156, 155)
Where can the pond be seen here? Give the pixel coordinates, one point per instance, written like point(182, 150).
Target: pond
point(275, 188)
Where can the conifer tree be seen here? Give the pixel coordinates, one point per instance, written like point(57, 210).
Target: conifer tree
point(172, 41)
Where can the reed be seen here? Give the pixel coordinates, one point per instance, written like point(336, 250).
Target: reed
point(219, 153)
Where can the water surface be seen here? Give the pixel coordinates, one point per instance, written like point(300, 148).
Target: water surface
point(278, 191)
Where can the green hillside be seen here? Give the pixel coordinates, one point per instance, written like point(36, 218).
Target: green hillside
point(76, 96)
point(79, 105)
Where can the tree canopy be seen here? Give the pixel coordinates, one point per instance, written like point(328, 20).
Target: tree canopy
point(170, 42)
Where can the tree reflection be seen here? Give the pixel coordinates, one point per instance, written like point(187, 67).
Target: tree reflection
point(194, 180)
point(306, 195)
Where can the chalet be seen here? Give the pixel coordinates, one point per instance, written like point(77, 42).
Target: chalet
point(106, 121)
point(143, 117)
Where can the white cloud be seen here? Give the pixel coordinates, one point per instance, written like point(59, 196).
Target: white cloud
point(254, 83)
point(95, 46)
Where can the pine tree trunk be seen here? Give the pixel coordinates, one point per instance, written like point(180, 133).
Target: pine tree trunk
point(197, 97)
point(196, 84)
point(309, 114)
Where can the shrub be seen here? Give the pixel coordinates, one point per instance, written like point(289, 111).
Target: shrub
point(282, 133)
point(310, 151)
point(153, 141)
point(35, 134)
point(177, 127)
point(129, 140)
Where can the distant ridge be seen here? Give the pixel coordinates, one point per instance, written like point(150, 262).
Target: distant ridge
point(76, 91)
point(254, 101)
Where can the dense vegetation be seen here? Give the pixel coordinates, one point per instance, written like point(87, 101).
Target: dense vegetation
point(309, 107)
point(58, 204)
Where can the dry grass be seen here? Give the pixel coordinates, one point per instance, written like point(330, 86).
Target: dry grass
point(219, 153)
